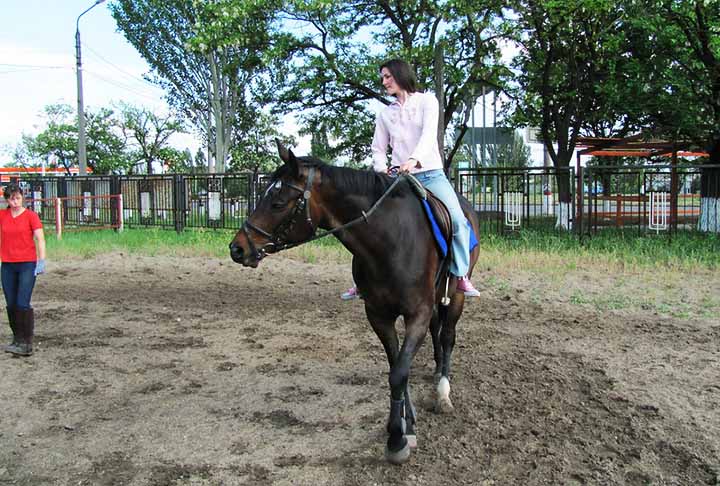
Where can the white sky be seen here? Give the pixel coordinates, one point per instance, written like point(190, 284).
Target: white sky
point(37, 66)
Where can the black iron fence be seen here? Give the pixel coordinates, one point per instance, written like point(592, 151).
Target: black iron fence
point(512, 199)
point(642, 199)
point(652, 199)
point(175, 201)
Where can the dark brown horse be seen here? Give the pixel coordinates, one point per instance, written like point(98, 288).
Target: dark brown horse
point(395, 264)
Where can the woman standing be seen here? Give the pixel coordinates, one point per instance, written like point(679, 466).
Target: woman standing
point(22, 251)
point(408, 126)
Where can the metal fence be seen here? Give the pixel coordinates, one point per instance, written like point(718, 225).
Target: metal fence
point(640, 199)
point(175, 201)
point(512, 199)
point(652, 199)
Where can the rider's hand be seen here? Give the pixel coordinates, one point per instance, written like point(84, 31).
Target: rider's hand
point(405, 168)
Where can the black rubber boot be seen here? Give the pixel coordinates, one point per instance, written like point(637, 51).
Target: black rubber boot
point(25, 329)
point(13, 328)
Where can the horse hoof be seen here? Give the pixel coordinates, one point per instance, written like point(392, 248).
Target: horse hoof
point(412, 440)
point(398, 457)
point(444, 405)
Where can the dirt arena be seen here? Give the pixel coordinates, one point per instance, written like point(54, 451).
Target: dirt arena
point(194, 371)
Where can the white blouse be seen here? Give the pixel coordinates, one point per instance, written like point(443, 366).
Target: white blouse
point(410, 130)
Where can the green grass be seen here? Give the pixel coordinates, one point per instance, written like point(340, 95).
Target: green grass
point(198, 242)
point(684, 250)
point(562, 252)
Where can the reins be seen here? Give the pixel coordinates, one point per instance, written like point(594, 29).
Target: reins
point(303, 203)
point(362, 218)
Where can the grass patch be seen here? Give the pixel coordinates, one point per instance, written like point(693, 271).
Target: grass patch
point(197, 242)
point(684, 251)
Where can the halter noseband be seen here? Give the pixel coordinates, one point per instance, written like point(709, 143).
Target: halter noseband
point(278, 238)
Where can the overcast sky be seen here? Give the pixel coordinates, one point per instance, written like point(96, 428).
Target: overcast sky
point(37, 64)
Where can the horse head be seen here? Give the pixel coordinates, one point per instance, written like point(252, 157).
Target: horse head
point(282, 217)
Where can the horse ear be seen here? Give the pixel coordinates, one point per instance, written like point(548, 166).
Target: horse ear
point(288, 157)
point(283, 151)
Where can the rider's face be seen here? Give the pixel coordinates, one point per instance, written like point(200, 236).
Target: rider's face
point(389, 83)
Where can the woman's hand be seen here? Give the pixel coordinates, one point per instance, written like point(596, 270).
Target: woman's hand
point(410, 164)
point(39, 267)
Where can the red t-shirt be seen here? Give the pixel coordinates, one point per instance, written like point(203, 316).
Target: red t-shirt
point(16, 236)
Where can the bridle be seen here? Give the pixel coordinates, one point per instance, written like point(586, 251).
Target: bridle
point(278, 238)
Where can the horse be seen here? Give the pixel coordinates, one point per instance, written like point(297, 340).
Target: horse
point(395, 265)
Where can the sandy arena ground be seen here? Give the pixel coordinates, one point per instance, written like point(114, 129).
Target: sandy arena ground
point(193, 371)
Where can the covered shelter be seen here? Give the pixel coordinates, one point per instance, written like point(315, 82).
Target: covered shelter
point(640, 146)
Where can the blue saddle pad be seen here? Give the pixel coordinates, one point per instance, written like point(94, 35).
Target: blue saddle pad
point(439, 239)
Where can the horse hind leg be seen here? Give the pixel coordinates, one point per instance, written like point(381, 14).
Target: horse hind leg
point(448, 321)
point(437, 347)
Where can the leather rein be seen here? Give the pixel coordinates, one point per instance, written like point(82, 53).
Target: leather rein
point(278, 238)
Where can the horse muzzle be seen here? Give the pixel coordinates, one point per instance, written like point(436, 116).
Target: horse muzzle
point(246, 259)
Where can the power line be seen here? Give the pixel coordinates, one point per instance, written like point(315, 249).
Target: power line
point(24, 70)
point(119, 69)
point(123, 86)
point(38, 66)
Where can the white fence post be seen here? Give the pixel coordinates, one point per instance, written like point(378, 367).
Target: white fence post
point(58, 218)
point(120, 213)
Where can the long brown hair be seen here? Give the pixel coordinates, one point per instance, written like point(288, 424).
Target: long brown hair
point(403, 73)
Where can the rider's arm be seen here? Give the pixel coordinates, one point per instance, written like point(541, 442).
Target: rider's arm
point(379, 146)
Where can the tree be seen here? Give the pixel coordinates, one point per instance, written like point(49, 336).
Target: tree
point(59, 138)
point(569, 76)
point(513, 154)
point(106, 145)
point(678, 56)
point(207, 72)
point(256, 150)
point(106, 148)
point(148, 133)
point(335, 49)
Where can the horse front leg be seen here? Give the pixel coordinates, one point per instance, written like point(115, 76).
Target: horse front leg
point(401, 425)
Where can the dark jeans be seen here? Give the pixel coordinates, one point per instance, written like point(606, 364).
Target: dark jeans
point(18, 282)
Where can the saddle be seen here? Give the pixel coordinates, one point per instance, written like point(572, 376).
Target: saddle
point(437, 214)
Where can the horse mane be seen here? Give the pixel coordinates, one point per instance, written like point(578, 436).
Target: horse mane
point(352, 181)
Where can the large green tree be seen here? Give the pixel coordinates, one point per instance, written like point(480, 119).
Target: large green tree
point(676, 44)
point(328, 56)
point(148, 134)
point(205, 54)
point(569, 77)
point(106, 147)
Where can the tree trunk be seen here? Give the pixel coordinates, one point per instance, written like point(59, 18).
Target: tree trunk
point(439, 62)
point(710, 193)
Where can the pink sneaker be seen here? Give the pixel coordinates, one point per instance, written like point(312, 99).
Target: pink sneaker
point(350, 294)
point(465, 286)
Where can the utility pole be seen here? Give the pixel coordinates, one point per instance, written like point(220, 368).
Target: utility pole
point(82, 145)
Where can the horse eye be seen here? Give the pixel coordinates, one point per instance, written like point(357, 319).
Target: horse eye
point(278, 204)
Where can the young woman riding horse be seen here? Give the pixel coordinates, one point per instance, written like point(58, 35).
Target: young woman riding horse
point(381, 221)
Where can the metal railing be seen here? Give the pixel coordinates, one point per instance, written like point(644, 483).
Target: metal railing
point(642, 199)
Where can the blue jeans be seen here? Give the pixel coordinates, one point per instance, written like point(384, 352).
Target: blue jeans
point(18, 281)
point(435, 181)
